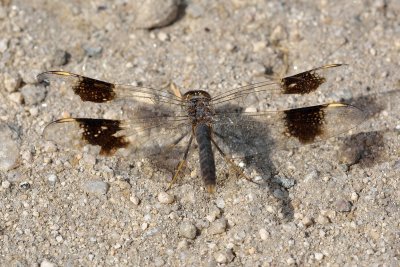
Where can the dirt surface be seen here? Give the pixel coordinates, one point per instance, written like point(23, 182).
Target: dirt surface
point(333, 203)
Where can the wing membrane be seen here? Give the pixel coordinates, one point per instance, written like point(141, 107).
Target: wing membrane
point(156, 118)
point(97, 91)
point(302, 83)
point(288, 128)
point(141, 137)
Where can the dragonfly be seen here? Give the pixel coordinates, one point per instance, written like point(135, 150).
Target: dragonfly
point(162, 120)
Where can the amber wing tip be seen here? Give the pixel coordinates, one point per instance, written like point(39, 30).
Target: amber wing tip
point(210, 188)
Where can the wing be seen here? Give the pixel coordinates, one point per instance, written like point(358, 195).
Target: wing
point(97, 91)
point(301, 83)
point(142, 138)
point(266, 131)
point(157, 117)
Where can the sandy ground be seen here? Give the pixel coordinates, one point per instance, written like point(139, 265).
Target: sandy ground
point(335, 203)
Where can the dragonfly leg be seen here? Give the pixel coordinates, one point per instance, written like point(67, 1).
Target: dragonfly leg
point(182, 164)
point(231, 163)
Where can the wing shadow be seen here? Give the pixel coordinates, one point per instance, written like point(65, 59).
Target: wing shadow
point(367, 147)
point(252, 141)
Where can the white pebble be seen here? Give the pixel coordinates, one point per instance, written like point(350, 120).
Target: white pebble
point(134, 199)
point(290, 261)
point(321, 219)
point(144, 226)
point(217, 227)
point(307, 221)
point(46, 263)
point(263, 234)
point(220, 257)
point(16, 97)
point(165, 198)
point(52, 178)
point(5, 184)
point(9, 148)
point(59, 238)
point(220, 203)
point(318, 256)
point(188, 230)
point(96, 187)
point(354, 196)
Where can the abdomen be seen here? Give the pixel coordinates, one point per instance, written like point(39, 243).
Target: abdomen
point(206, 156)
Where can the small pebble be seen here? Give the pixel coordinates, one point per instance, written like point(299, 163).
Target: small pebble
point(16, 97)
point(5, 184)
point(290, 261)
point(12, 81)
point(264, 235)
point(33, 94)
point(278, 193)
point(311, 176)
point(220, 257)
point(162, 36)
point(50, 147)
point(134, 199)
point(3, 45)
point(195, 10)
point(307, 221)
point(318, 256)
point(213, 214)
point(144, 226)
point(165, 198)
point(93, 51)
point(183, 244)
point(158, 262)
point(342, 205)
point(220, 203)
point(217, 227)
point(285, 182)
point(46, 263)
point(9, 148)
point(52, 178)
point(354, 196)
point(187, 230)
point(96, 187)
point(59, 238)
point(349, 155)
point(321, 219)
point(224, 256)
point(156, 14)
point(60, 58)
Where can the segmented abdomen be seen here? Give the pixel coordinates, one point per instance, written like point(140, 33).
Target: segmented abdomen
point(206, 156)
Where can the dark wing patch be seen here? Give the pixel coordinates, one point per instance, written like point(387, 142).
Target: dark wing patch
point(301, 83)
point(304, 82)
point(305, 123)
point(86, 88)
point(286, 129)
point(99, 132)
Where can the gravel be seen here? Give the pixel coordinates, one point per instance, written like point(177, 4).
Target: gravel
point(187, 230)
point(33, 94)
point(152, 14)
point(332, 203)
point(217, 227)
point(12, 81)
point(342, 205)
point(96, 187)
point(165, 198)
point(9, 148)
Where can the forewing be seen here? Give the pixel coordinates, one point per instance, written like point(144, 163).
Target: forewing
point(97, 91)
point(302, 83)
